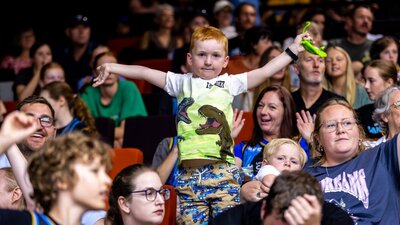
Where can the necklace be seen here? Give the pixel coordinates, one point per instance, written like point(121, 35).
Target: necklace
point(326, 169)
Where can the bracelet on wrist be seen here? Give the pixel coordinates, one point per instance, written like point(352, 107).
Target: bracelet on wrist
point(291, 54)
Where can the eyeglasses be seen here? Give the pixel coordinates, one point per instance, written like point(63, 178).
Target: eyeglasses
point(331, 125)
point(396, 105)
point(151, 194)
point(46, 121)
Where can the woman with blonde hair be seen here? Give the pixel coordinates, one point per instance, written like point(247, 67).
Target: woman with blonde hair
point(340, 78)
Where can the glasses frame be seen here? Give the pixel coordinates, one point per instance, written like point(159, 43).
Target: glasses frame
point(395, 105)
point(353, 121)
point(160, 192)
point(42, 118)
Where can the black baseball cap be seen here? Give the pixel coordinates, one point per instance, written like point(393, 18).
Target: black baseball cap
point(78, 19)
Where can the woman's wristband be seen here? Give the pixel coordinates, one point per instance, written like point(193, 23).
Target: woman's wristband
point(291, 54)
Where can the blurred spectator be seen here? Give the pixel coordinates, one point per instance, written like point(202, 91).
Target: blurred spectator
point(20, 57)
point(358, 24)
point(26, 82)
point(74, 55)
point(386, 113)
point(116, 99)
point(378, 76)
point(162, 40)
point(281, 78)
point(142, 6)
point(244, 18)
point(256, 40)
point(223, 15)
point(386, 48)
point(70, 112)
point(339, 78)
point(316, 16)
point(87, 80)
point(194, 19)
point(122, 27)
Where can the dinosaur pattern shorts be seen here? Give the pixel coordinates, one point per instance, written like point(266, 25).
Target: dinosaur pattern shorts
point(207, 191)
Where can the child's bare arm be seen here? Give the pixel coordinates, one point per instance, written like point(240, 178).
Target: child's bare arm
point(155, 77)
point(258, 76)
point(20, 167)
point(268, 180)
point(166, 167)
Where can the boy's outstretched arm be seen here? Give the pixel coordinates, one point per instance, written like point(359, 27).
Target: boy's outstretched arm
point(258, 76)
point(152, 76)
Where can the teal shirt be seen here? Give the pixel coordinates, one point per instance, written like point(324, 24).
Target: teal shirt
point(127, 102)
point(361, 97)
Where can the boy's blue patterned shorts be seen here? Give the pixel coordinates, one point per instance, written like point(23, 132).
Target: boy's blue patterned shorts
point(207, 191)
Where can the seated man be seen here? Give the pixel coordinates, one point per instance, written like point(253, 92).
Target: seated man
point(294, 198)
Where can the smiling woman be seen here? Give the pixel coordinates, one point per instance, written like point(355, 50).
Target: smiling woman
point(274, 117)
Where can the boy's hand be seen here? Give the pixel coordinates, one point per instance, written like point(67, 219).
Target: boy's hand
point(103, 72)
point(296, 47)
point(17, 126)
point(238, 123)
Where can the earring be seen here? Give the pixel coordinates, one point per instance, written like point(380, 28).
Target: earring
point(360, 143)
point(321, 149)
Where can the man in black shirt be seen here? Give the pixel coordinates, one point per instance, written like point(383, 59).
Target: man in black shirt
point(311, 95)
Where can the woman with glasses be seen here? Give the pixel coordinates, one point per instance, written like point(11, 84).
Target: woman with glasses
point(365, 183)
point(137, 197)
point(387, 113)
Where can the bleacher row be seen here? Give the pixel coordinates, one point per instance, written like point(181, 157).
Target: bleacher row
point(140, 131)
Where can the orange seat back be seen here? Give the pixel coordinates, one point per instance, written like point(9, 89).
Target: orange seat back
point(170, 207)
point(123, 157)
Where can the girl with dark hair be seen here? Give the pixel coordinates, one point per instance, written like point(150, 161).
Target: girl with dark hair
point(27, 81)
point(71, 113)
point(137, 197)
point(378, 75)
